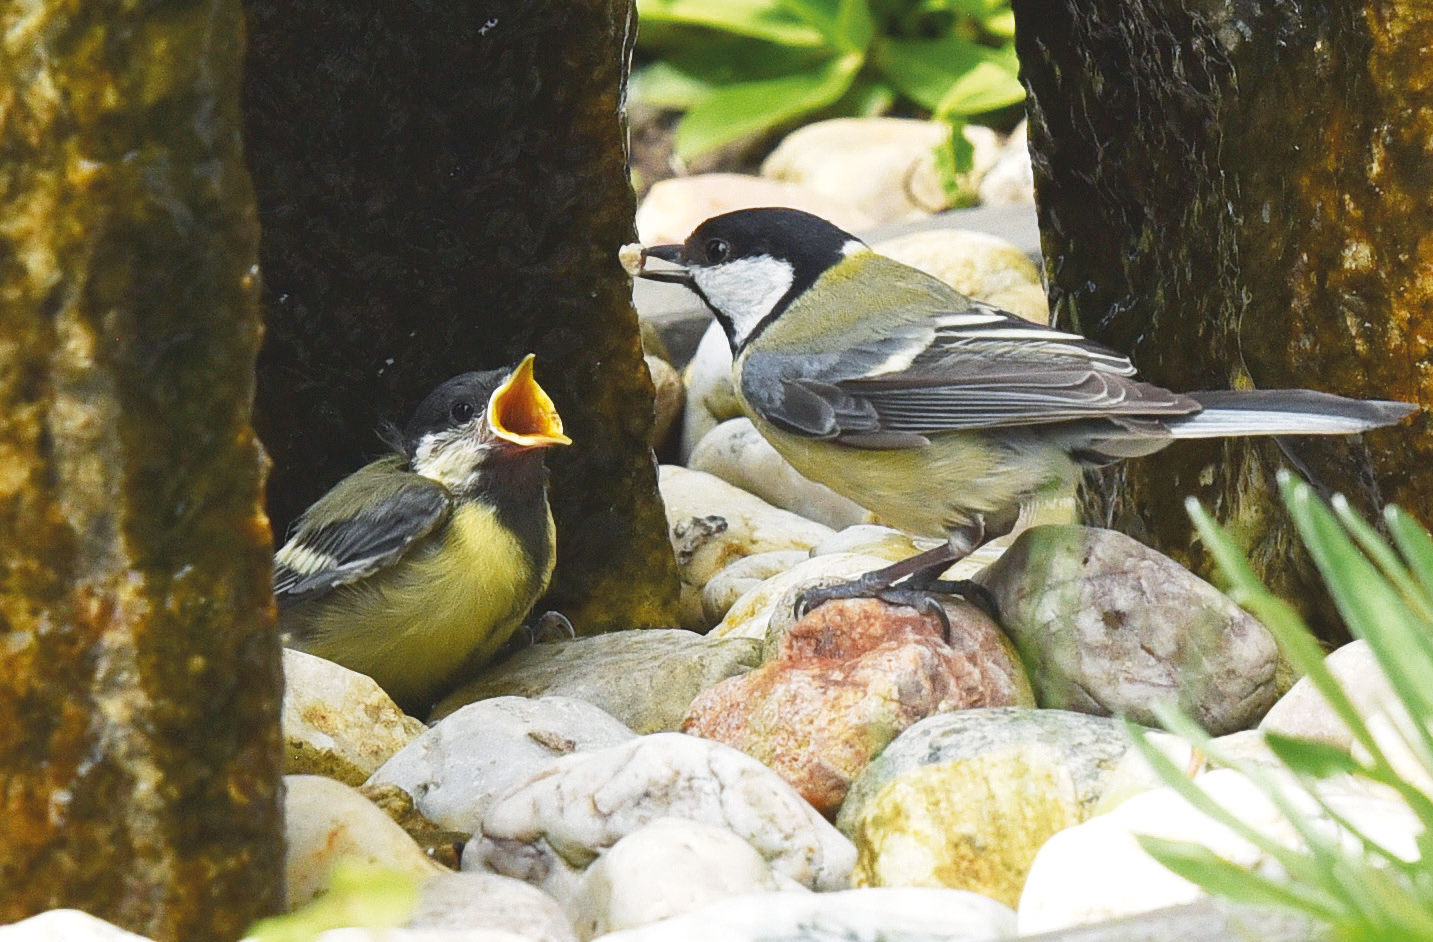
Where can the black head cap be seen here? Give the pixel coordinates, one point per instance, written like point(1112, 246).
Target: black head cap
point(808, 242)
point(455, 403)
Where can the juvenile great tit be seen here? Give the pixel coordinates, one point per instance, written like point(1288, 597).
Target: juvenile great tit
point(941, 414)
point(426, 561)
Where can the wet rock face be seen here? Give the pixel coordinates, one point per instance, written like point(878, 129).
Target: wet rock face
point(1233, 194)
point(442, 188)
point(139, 669)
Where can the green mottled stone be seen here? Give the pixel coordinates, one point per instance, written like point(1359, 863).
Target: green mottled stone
point(139, 669)
point(646, 679)
point(1236, 195)
point(965, 799)
point(443, 187)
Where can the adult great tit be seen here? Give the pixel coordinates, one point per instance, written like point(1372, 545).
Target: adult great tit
point(426, 561)
point(941, 414)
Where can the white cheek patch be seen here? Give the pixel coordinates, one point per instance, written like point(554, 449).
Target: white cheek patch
point(451, 458)
point(745, 290)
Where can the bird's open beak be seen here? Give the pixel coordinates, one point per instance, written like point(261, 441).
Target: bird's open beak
point(666, 253)
point(520, 411)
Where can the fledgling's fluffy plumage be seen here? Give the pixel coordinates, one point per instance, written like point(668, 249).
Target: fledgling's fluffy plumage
point(424, 562)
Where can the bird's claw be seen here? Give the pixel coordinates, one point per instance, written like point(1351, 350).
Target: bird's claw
point(552, 626)
point(968, 589)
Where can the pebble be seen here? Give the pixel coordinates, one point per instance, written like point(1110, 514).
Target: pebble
point(338, 722)
point(867, 915)
point(846, 679)
point(874, 540)
point(673, 208)
point(421, 935)
point(455, 770)
point(768, 608)
point(669, 397)
point(978, 265)
point(643, 678)
point(737, 453)
point(965, 799)
point(1109, 626)
point(713, 523)
point(66, 925)
point(726, 588)
point(1304, 713)
point(1012, 179)
point(666, 868)
point(326, 821)
point(710, 397)
point(463, 902)
point(550, 828)
point(885, 167)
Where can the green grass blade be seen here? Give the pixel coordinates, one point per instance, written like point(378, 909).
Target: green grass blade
point(1414, 543)
point(1369, 604)
point(1201, 866)
point(1311, 759)
point(1294, 862)
point(1385, 557)
point(1298, 645)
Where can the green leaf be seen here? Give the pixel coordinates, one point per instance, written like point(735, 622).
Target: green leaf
point(759, 19)
point(663, 85)
point(1181, 783)
point(688, 76)
point(735, 111)
point(975, 9)
point(1380, 895)
point(1313, 759)
point(954, 157)
point(950, 76)
point(993, 83)
point(823, 16)
point(856, 25)
point(359, 895)
point(1000, 24)
point(866, 98)
point(846, 25)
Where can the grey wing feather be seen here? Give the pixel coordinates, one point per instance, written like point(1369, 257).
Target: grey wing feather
point(376, 515)
point(978, 367)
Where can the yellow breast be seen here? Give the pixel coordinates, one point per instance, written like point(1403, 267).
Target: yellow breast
point(448, 604)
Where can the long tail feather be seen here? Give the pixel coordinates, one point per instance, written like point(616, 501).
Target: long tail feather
point(1284, 412)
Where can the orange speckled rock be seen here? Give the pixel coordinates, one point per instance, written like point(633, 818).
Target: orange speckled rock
point(846, 679)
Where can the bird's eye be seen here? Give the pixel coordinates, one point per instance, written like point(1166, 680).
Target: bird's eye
point(461, 411)
point(717, 250)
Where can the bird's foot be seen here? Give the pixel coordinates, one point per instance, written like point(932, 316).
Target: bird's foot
point(551, 626)
point(968, 589)
point(540, 629)
point(868, 587)
point(918, 590)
